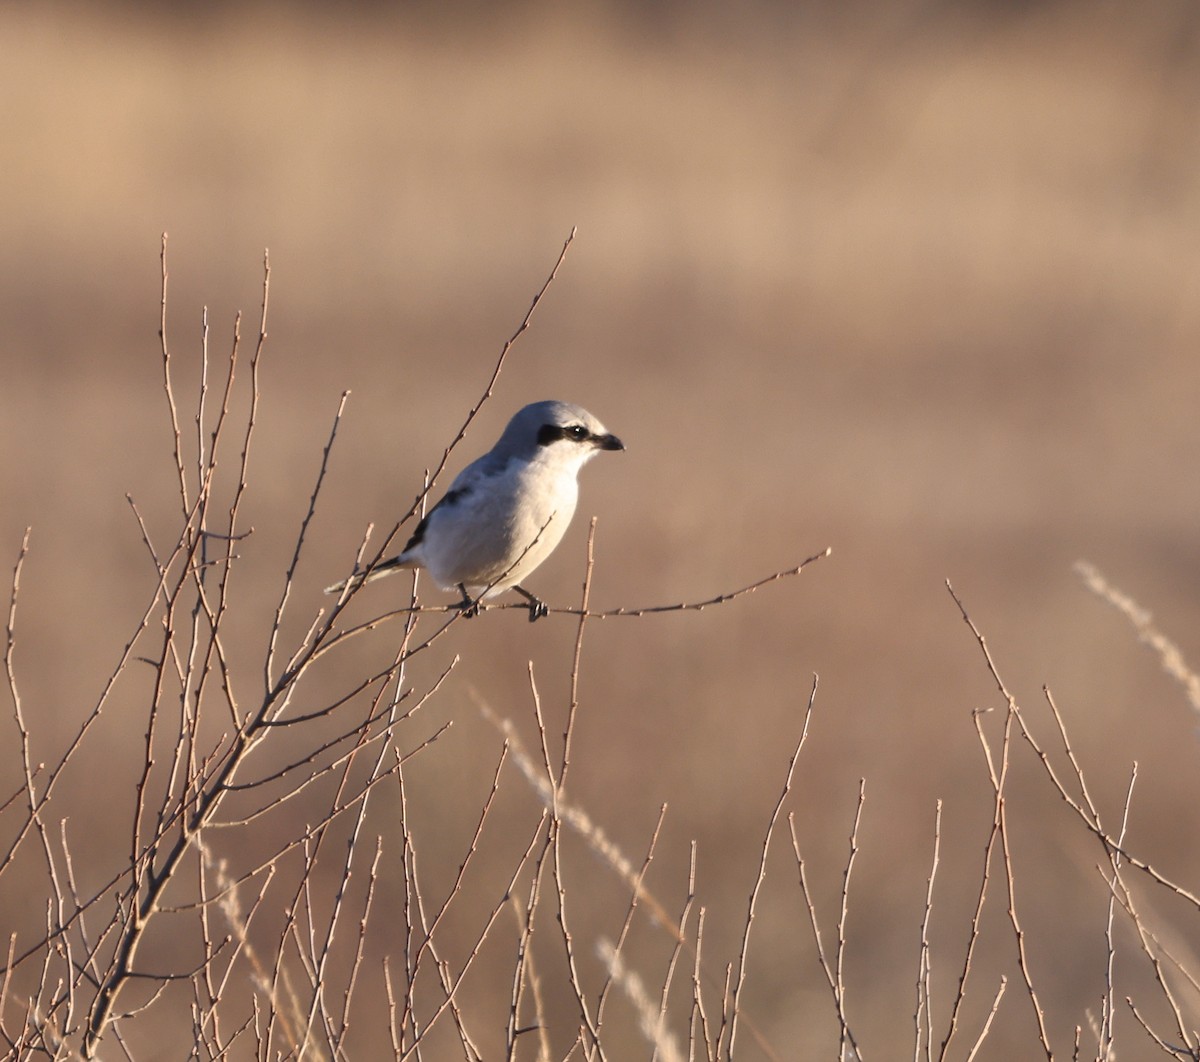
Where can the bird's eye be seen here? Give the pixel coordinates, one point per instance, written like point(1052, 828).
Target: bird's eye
point(577, 432)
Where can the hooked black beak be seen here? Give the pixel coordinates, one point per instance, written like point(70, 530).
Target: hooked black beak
point(608, 442)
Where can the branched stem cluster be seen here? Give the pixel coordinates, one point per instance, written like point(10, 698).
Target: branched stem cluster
point(277, 947)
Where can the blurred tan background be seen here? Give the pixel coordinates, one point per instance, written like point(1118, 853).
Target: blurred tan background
point(919, 282)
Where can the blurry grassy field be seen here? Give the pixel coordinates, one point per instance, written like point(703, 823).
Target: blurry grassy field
point(920, 283)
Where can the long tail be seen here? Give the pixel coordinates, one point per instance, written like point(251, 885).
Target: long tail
point(388, 567)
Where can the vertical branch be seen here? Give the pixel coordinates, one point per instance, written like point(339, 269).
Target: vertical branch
point(573, 704)
point(183, 755)
point(592, 1047)
point(214, 613)
point(430, 927)
point(410, 912)
point(1018, 932)
point(1151, 948)
point(987, 1024)
point(338, 1048)
point(28, 769)
point(635, 991)
point(847, 1038)
point(290, 576)
point(833, 971)
point(142, 853)
point(168, 387)
point(202, 395)
point(1000, 822)
point(637, 890)
point(523, 963)
point(56, 913)
point(923, 1017)
point(552, 851)
point(681, 936)
point(1108, 1015)
point(740, 977)
point(252, 414)
point(960, 993)
point(590, 1023)
point(699, 1019)
point(449, 1000)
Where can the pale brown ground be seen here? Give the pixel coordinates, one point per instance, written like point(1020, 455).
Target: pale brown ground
point(917, 284)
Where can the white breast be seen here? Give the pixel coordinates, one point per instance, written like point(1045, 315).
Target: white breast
point(501, 528)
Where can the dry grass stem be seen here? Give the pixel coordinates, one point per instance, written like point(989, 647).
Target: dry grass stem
point(1169, 654)
point(665, 1047)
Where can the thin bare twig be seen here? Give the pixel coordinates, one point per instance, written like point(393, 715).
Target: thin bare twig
point(739, 979)
point(431, 480)
point(923, 1016)
point(456, 610)
point(617, 947)
point(1000, 824)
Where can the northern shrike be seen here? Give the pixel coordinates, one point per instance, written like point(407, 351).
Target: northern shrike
point(505, 512)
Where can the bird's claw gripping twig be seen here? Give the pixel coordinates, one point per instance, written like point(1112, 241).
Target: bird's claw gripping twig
point(537, 607)
point(468, 605)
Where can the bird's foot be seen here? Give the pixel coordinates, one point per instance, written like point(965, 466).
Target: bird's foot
point(468, 606)
point(537, 607)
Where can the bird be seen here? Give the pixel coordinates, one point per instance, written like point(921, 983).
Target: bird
point(505, 513)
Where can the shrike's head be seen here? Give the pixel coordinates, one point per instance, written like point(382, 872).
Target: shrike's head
point(557, 432)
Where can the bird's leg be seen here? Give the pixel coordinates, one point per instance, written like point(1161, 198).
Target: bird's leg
point(537, 607)
point(469, 606)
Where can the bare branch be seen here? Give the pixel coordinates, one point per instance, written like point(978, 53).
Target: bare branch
point(740, 976)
